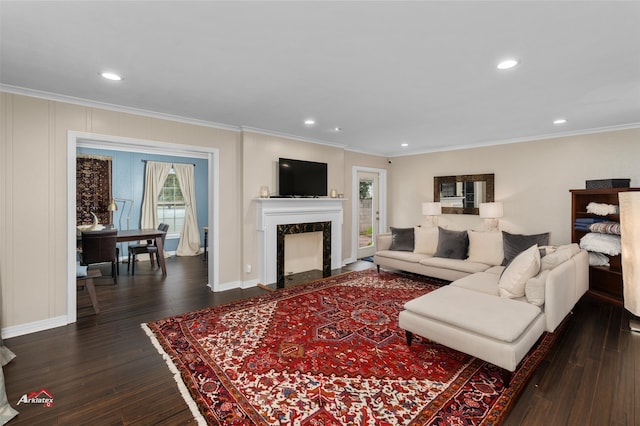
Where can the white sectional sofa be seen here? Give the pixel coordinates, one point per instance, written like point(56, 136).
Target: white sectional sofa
point(493, 312)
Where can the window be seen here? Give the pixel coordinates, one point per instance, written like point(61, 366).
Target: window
point(171, 205)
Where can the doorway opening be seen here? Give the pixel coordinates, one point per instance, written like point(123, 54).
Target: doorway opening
point(114, 143)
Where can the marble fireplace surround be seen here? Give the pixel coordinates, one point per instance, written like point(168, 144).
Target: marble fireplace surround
point(301, 228)
point(308, 215)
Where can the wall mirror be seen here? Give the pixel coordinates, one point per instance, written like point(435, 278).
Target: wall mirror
point(462, 194)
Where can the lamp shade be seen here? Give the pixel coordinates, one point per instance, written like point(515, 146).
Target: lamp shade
point(112, 206)
point(431, 209)
point(491, 210)
point(630, 253)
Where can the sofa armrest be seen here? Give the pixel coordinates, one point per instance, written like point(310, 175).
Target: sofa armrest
point(564, 287)
point(383, 241)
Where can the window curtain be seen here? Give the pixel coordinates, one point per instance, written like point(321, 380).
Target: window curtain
point(189, 244)
point(155, 175)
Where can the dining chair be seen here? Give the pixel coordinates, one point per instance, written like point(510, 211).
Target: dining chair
point(100, 247)
point(149, 248)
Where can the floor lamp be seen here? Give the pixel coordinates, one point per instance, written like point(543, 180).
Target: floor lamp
point(113, 206)
point(124, 204)
point(630, 238)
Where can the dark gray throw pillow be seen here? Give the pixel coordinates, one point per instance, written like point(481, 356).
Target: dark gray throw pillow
point(402, 239)
point(514, 244)
point(452, 244)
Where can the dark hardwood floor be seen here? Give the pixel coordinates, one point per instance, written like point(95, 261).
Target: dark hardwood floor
point(103, 370)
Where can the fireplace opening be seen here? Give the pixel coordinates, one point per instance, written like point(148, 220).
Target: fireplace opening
point(322, 229)
point(302, 252)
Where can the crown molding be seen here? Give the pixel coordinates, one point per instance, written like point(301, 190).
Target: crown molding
point(288, 136)
point(113, 107)
point(594, 130)
point(152, 114)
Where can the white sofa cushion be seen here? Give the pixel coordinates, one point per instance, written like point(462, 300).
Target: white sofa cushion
point(535, 288)
point(497, 270)
point(407, 256)
point(486, 247)
point(454, 264)
point(560, 255)
point(426, 240)
point(484, 282)
point(466, 309)
point(514, 278)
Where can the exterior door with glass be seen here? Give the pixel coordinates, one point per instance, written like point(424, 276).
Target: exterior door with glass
point(368, 213)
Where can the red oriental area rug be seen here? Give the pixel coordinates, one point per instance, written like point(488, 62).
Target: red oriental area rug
point(331, 353)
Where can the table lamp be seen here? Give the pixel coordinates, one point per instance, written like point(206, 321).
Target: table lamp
point(432, 210)
point(491, 213)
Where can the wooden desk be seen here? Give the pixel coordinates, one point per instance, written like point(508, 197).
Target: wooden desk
point(146, 234)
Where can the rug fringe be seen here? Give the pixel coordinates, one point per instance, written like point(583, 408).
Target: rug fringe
point(186, 395)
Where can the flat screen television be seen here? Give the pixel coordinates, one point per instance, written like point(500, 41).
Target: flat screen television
point(298, 178)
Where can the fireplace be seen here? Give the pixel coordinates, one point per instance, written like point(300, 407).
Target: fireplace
point(299, 228)
point(277, 217)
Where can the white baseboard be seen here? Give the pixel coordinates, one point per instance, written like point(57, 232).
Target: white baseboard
point(33, 327)
point(237, 284)
point(249, 284)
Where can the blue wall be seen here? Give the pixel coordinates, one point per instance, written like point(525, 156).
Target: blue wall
point(128, 182)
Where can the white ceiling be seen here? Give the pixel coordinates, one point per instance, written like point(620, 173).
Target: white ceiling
point(390, 72)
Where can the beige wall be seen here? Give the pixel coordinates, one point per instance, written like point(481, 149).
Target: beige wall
point(532, 179)
point(34, 204)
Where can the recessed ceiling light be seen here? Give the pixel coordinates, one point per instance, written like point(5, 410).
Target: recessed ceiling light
point(404, 144)
point(111, 76)
point(309, 121)
point(560, 121)
point(507, 64)
point(337, 129)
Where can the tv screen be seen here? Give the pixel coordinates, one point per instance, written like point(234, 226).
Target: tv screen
point(297, 178)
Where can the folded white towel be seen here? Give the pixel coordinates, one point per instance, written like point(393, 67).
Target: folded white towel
point(601, 243)
point(602, 209)
point(598, 259)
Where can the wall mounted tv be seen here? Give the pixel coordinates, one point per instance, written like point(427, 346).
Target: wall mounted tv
point(297, 178)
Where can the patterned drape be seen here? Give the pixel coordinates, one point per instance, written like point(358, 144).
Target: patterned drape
point(93, 188)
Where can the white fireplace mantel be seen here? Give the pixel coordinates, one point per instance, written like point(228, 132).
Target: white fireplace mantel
point(283, 211)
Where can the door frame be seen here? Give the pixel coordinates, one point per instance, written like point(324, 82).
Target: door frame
point(382, 201)
point(117, 143)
